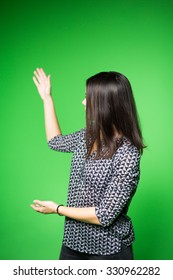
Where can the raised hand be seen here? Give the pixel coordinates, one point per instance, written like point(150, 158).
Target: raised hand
point(42, 83)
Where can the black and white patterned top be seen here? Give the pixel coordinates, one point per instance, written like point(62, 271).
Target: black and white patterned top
point(106, 184)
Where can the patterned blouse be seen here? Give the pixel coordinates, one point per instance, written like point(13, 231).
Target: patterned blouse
point(106, 184)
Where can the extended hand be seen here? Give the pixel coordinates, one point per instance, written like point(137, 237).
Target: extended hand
point(44, 207)
point(42, 83)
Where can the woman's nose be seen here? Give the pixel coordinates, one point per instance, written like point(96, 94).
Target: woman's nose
point(84, 102)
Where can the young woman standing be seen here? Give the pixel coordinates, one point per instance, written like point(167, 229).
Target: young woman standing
point(105, 168)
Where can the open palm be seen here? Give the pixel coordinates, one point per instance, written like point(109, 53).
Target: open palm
point(42, 83)
point(44, 207)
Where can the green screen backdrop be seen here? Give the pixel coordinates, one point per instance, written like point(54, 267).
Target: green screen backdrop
point(73, 40)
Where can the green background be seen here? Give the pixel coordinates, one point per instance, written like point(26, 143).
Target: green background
point(73, 40)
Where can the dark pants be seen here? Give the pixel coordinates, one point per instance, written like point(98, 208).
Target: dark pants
point(68, 254)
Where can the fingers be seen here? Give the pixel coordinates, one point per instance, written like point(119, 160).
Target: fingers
point(35, 81)
point(38, 75)
point(45, 207)
point(38, 202)
point(38, 208)
point(43, 73)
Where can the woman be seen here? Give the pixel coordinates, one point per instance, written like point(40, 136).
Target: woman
point(105, 168)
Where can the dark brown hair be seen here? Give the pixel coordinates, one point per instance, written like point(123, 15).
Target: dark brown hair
point(110, 108)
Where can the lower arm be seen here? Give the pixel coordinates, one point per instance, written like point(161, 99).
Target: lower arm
point(51, 122)
point(86, 214)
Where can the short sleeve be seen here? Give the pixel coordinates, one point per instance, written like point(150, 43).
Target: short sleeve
point(67, 143)
point(120, 189)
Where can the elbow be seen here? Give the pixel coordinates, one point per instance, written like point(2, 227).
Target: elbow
point(50, 146)
point(104, 217)
point(57, 143)
point(105, 224)
point(53, 142)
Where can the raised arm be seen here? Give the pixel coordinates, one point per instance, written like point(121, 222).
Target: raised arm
point(43, 85)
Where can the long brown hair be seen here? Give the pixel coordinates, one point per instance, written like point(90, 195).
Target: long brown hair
point(110, 108)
